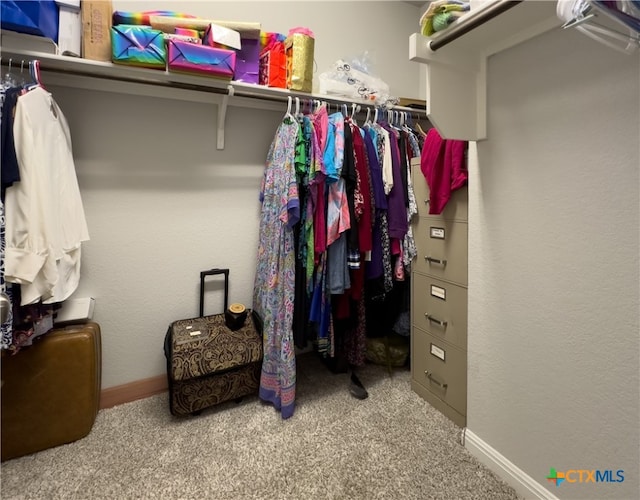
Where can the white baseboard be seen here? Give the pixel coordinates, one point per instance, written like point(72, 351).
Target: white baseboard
point(519, 480)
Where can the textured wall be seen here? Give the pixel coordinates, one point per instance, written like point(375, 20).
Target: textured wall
point(163, 204)
point(553, 263)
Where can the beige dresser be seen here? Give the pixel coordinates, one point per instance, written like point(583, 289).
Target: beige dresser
point(439, 302)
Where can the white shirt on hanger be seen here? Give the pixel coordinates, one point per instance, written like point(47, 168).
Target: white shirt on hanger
point(45, 221)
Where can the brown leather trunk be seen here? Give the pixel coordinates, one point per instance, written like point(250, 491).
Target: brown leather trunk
point(51, 390)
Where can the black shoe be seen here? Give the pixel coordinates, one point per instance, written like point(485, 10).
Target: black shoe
point(356, 388)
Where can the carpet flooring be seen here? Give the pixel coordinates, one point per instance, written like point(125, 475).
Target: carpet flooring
point(392, 445)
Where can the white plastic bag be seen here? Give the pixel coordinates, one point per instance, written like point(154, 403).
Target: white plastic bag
point(354, 81)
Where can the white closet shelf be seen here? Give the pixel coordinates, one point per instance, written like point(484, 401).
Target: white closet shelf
point(456, 60)
point(105, 76)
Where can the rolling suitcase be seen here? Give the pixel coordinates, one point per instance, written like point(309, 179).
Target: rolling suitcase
point(51, 390)
point(213, 359)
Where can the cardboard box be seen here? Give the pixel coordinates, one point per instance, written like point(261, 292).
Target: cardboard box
point(69, 28)
point(410, 102)
point(96, 29)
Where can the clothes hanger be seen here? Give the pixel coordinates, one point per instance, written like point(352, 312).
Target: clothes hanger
point(34, 71)
point(621, 15)
point(583, 14)
point(9, 78)
point(297, 114)
point(288, 113)
point(418, 129)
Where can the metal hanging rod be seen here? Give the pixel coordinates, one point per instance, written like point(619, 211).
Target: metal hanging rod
point(111, 72)
point(487, 14)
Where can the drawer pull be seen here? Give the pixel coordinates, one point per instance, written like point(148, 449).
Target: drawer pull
point(435, 380)
point(443, 324)
point(426, 202)
point(431, 260)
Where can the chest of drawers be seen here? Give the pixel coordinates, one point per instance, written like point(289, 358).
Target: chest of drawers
point(439, 302)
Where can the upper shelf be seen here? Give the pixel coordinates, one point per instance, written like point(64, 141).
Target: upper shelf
point(456, 72)
point(105, 76)
point(69, 68)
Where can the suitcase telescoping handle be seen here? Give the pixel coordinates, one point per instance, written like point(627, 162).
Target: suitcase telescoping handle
point(211, 272)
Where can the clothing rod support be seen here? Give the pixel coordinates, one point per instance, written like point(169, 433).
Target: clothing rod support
point(463, 28)
point(222, 116)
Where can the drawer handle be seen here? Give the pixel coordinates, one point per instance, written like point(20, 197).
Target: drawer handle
point(443, 324)
point(426, 202)
point(435, 380)
point(431, 260)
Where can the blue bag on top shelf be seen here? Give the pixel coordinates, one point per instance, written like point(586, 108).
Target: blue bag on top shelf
point(31, 17)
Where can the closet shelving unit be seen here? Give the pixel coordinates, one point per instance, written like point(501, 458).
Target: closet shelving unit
point(105, 76)
point(457, 57)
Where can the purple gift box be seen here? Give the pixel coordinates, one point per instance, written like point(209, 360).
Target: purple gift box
point(201, 59)
point(248, 61)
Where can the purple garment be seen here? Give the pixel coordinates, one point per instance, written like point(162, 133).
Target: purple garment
point(379, 197)
point(374, 268)
point(397, 208)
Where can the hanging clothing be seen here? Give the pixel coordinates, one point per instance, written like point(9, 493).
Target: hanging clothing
point(6, 330)
point(352, 245)
point(274, 287)
point(9, 163)
point(397, 214)
point(45, 222)
point(444, 168)
point(9, 169)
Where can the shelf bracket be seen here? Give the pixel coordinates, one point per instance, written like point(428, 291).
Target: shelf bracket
point(222, 116)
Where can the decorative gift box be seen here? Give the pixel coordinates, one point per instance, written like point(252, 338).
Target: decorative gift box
point(138, 46)
point(182, 38)
point(273, 61)
point(248, 61)
point(187, 57)
point(143, 18)
point(299, 48)
point(221, 37)
point(188, 32)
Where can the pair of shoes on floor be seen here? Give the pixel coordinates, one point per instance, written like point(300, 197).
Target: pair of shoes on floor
point(356, 388)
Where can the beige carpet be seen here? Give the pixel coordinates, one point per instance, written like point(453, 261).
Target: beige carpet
point(392, 445)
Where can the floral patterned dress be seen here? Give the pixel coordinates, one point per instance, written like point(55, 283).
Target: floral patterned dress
point(274, 287)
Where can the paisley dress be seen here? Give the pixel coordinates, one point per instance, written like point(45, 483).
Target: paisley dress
point(274, 287)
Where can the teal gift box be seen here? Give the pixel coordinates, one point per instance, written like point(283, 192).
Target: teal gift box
point(138, 46)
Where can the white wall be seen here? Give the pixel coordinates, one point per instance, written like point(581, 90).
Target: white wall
point(342, 30)
point(553, 263)
point(162, 203)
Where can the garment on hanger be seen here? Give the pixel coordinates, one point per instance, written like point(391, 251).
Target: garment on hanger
point(348, 237)
point(44, 213)
point(274, 287)
point(443, 164)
